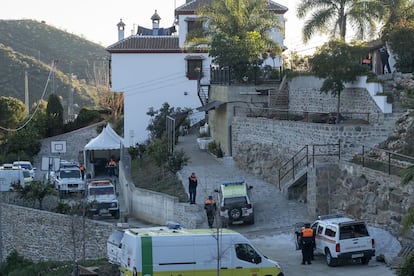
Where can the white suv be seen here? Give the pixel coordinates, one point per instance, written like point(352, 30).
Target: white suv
point(341, 238)
point(235, 203)
point(26, 165)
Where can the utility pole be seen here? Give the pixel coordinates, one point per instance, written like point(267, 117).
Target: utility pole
point(26, 91)
point(1, 236)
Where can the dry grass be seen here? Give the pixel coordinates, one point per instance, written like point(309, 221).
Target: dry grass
point(148, 176)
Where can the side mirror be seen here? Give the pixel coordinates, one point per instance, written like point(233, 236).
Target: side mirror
point(250, 187)
point(257, 260)
point(216, 190)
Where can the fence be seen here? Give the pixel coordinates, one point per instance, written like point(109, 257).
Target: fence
point(310, 117)
point(302, 158)
point(383, 160)
point(257, 75)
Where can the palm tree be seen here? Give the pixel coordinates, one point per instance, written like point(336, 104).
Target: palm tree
point(334, 16)
point(396, 11)
point(237, 32)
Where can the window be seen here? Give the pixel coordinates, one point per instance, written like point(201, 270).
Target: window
point(353, 231)
point(194, 27)
point(246, 253)
point(194, 67)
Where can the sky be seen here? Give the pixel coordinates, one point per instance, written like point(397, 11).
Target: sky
point(96, 20)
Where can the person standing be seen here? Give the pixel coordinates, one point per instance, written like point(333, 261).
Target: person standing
point(307, 239)
point(82, 169)
point(111, 167)
point(192, 187)
point(210, 207)
point(384, 59)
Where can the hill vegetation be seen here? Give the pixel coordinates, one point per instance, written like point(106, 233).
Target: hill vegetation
point(31, 46)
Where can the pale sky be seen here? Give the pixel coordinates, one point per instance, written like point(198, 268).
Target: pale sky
point(96, 20)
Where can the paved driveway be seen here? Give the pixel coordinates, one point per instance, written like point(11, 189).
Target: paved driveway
point(275, 216)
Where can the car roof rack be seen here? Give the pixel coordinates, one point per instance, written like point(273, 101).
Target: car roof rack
point(238, 182)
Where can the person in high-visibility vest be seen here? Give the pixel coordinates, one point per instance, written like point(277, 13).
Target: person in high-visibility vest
point(111, 167)
point(307, 239)
point(210, 207)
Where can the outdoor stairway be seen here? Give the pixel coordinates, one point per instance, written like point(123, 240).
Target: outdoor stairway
point(399, 260)
point(202, 93)
point(279, 98)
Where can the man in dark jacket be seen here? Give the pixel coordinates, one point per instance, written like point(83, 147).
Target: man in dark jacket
point(384, 59)
point(192, 187)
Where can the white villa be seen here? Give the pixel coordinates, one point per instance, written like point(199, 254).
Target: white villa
point(154, 67)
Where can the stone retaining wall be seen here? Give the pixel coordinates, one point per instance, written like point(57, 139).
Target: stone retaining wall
point(261, 145)
point(42, 235)
point(363, 193)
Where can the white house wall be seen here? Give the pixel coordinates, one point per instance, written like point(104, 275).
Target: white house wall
point(150, 80)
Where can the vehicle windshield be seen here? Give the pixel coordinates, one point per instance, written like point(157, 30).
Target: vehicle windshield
point(240, 200)
point(70, 174)
point(101, 191)
point(25, 166)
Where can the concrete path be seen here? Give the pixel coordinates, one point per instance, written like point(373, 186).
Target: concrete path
point(273, 212)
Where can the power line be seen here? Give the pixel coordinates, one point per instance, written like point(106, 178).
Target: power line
point(37, 107)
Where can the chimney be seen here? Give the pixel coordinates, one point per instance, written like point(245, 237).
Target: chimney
point(155, 23)
point(121, 28)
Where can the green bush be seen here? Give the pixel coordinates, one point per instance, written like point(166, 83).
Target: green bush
point(407, 269)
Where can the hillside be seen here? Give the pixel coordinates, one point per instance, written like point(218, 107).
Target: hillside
point(28, 45)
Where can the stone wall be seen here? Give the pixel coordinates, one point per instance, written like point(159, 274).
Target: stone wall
point(305, 95)
point(42, 235)
point(363, 193)
point(261, 145)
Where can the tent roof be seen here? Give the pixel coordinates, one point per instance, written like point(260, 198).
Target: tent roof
point(108, 139)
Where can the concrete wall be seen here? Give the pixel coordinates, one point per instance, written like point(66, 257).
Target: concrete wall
point(42, 235)
point(154, 207)
point(220, 119)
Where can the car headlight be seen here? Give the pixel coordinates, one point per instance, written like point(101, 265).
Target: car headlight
point(113, 204)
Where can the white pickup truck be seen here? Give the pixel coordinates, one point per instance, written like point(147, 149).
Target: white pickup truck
point(102, 198)
point(68, 179)
point(340, 238)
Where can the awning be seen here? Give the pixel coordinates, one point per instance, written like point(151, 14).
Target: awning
point(210, 105)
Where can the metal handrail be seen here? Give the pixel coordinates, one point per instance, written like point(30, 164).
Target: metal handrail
point(390, 161)
point(295, 165)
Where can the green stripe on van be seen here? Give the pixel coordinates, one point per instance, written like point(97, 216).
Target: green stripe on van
point(146, 249)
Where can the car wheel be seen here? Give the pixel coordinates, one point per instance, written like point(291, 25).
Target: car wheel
point(328, 257)
point(235, 213)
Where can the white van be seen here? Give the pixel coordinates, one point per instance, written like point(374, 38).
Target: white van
point(164, 251)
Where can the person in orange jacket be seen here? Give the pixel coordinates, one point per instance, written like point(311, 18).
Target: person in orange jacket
point(111, 167)
point(210, 207)
point(307, 240)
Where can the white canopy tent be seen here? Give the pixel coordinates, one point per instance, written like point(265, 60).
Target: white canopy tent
point(101, 149)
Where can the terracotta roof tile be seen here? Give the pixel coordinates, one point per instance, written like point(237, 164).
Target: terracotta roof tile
point(153, 44)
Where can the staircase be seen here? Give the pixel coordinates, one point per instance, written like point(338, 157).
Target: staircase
point(203, 91)
point(279, 98)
